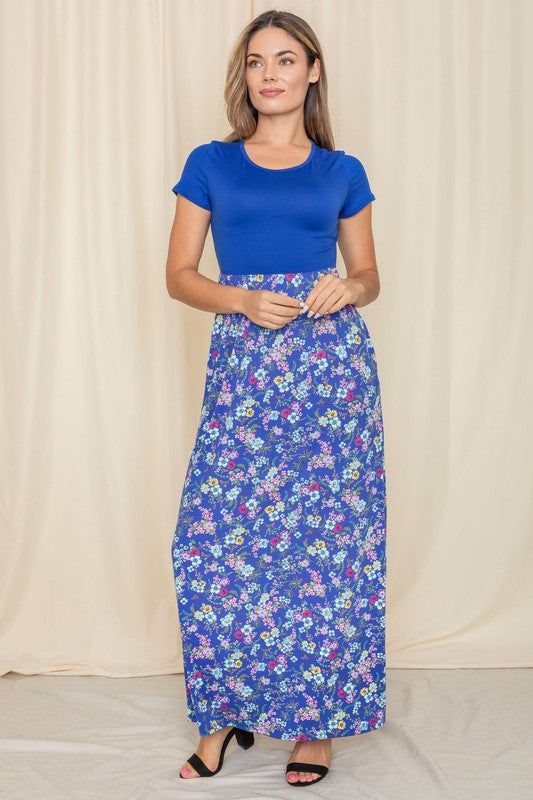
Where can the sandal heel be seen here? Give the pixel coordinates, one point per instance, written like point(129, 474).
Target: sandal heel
point(245, 739)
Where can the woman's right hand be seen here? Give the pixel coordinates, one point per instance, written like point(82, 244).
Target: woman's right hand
point(270, 309)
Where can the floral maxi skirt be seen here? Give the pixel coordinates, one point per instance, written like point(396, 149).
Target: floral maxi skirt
point(279, 549)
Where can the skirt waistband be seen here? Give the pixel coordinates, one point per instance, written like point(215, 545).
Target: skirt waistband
point(275, 281)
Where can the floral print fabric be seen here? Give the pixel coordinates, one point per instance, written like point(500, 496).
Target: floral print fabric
point(279, 549)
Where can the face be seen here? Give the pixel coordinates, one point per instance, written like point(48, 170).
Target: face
point(277, 74)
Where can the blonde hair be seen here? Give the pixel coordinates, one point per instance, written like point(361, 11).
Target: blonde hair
point(241, 113)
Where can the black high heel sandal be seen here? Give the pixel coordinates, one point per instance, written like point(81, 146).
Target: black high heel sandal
point(245, 739)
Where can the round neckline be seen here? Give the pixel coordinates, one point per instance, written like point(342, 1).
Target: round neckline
point(282, 169)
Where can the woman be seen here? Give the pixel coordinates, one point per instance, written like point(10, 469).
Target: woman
point(279, 548)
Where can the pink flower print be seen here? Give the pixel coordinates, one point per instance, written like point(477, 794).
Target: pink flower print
point(285, 412)
point(243, 509)
point(358, 441)
point(274, 541)
point(214, 424)
point(379, 472)
point(239, 634)
point(337, 528)
point(231, 464)
point(349, 395)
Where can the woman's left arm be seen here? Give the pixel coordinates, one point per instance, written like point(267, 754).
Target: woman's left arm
point(356, 244)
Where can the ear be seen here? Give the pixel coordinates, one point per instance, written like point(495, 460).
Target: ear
point(315, 71)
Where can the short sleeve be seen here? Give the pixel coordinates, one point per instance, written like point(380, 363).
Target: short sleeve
point(193, 183)
point(358, 194)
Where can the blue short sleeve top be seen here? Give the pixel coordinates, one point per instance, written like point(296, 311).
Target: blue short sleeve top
point(274, 220)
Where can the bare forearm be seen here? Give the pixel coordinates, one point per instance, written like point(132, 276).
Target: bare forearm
point(365, 287)
point(197, 290)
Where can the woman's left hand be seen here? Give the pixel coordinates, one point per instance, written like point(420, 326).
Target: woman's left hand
point(330, 294)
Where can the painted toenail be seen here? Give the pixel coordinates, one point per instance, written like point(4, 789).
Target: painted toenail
point(185, 771)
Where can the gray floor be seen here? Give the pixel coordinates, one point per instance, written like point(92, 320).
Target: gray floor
point(449, 734)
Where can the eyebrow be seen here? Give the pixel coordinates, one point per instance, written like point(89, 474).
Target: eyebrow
point(281, 53)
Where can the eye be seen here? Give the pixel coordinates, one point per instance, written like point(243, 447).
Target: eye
point(283, 60)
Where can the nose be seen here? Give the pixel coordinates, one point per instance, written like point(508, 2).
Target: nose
point(268, 76)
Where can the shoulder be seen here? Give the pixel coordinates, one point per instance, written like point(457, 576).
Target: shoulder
point(340, 158)
point(210, 154)
point(345, 162)
point(201, 152)
point(213, 149)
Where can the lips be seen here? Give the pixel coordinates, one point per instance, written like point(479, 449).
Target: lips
point(270, 92)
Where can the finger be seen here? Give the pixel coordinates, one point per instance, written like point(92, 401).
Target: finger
point(338, 297)
point(315, 292)
point(279, 298)
point(282, 309)
point(276, 320)
point(331, 310)
point(327, 296)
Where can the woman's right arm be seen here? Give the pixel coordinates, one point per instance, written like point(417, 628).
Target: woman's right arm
point(184, 282)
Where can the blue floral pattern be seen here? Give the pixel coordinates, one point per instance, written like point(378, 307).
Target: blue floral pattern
point(279, 549)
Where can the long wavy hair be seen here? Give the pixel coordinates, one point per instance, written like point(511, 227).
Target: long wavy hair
point(241, 113)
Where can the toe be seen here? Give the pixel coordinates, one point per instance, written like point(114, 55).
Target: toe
point(187, 771)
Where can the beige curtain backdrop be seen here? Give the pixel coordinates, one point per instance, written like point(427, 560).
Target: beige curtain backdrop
point(103, 373)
